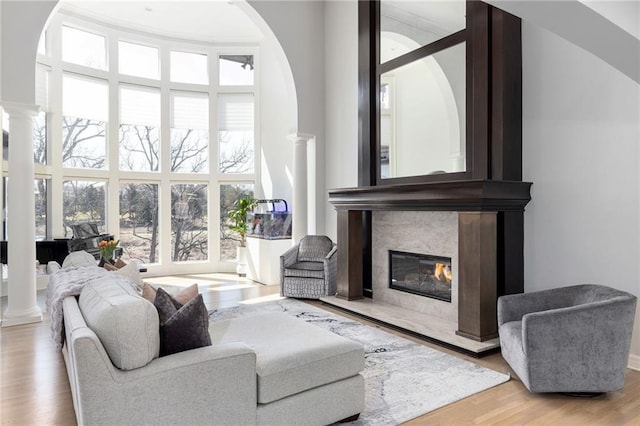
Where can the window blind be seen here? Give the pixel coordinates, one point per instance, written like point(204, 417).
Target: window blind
point(235, 112)
point(189, 111)
point(139, 106)
point(85, 98)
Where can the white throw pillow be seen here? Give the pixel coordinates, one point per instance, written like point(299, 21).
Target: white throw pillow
point(76, 259)
point(130, 270)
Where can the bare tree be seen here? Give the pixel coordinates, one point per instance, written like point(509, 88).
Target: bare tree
point(40, 139)
point(239, 159)
point(188, 222)
point(188, 150)
point(140, 150)
point(139, 144)
point(76, 132)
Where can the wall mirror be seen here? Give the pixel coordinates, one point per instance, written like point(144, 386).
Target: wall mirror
point(422, 114)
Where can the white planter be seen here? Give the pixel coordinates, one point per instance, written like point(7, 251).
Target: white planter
point(241, 259)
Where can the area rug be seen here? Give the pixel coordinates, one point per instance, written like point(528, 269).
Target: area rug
point(403, 379)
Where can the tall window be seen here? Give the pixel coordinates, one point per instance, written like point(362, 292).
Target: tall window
point(138, 60)
point(189, 68)
point(139, 129)
point(235, 133)
point(139, 224)
point(84, 48)
point(84, 201)
point(135, 153)
point(189, 223)
point(189, 132)
point(229, 239)
point(85, 106)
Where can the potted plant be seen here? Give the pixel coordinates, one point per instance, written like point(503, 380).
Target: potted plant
point(238, 216)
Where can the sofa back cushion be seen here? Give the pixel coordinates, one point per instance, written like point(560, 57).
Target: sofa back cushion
point(126, 324)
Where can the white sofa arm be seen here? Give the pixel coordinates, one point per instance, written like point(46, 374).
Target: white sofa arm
point(214, 383)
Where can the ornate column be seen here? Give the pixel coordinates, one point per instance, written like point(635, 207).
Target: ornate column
point(22, 302)
point(301, 184)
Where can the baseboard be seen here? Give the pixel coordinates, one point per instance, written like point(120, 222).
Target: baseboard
point(634, 362)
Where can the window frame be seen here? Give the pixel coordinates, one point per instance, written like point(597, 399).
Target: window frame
point(164, 178)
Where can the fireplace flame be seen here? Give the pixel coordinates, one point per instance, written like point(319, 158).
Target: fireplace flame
point(443, 272)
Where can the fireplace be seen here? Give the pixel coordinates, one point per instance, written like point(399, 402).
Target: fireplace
point(420, 274)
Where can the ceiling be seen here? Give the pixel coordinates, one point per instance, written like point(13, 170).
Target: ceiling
point(201, 20)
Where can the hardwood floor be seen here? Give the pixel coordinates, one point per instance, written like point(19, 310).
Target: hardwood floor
point(34, 388)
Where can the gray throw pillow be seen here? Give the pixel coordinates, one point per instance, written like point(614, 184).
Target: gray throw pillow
point(182, 327)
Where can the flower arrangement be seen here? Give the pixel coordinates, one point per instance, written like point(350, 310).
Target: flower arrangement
point(107, 248)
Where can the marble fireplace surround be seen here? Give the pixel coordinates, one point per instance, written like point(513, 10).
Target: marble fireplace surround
point(431, 233)
point(478, 223)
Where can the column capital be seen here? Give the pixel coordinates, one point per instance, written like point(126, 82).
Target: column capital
point(18, 109)
point(300, 137)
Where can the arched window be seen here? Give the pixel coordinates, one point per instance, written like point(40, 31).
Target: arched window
point(152, 138)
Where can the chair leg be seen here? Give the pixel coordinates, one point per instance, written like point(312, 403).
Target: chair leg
point(350, 419)
point(583, 394)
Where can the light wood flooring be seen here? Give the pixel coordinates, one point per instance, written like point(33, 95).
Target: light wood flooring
point(34, 389)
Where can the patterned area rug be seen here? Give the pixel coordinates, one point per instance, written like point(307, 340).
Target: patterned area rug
point(403, 379)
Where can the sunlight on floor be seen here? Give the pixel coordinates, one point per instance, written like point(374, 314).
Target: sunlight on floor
point(203, 280)
point(262, 299)
point(219, 289)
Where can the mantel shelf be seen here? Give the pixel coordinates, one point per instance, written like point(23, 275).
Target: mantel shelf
point(465, 195)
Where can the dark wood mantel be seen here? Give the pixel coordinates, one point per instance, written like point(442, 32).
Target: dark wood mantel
point(461, 195)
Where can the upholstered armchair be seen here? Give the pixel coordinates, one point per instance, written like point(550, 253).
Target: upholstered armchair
point(308, 270)
point(570, 340)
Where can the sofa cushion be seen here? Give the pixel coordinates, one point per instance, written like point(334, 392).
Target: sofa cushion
point(182, 327)
point(126, 324)
point(292, 355)
point(306, 270)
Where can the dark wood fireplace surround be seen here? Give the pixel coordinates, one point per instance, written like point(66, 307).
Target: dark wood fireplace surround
point(489, 196)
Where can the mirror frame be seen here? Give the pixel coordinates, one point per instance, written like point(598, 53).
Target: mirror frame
point(493, 94)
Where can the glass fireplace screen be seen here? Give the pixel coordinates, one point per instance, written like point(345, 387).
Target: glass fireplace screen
point(420, 274)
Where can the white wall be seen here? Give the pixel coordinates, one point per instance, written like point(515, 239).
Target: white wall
point(580, 149)
point(299, 27)
point(625, 13)
point(341, 82)
point(22, 23)
point(278, 116)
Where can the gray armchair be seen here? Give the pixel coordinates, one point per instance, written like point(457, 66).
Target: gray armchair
point(570, 340)
point(308, 270)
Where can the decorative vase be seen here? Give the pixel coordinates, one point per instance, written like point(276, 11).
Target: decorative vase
point(241, 259)
point(103, 261)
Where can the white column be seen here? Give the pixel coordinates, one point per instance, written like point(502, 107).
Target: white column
point(300, 204)
point(311, 187)
point(21, 232)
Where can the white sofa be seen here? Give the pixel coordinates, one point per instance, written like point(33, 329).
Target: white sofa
point(269, 369)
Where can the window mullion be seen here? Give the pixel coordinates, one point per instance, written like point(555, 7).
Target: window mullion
point(165, 159)
point(113, 141)
point(55, 210)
